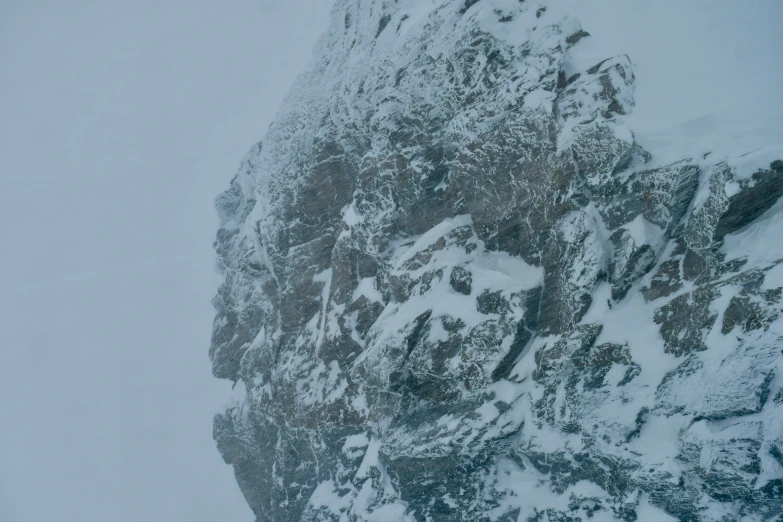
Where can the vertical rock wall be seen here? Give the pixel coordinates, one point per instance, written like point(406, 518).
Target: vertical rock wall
point(457, 289)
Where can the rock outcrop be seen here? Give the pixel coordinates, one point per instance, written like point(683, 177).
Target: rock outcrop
point(457, 289)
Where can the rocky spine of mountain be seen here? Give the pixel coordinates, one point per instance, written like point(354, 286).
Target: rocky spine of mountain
point(457, 289)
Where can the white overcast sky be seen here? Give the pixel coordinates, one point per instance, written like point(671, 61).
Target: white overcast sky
point(120, 120)
point(119, 123)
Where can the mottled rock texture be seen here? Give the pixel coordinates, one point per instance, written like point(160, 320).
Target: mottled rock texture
point(457, 289)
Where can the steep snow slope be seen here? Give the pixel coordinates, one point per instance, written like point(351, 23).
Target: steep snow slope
point(705, 79)
point(478, 270)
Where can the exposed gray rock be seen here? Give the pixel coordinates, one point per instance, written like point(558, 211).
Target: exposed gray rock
point(758, 196)
point(457, 289)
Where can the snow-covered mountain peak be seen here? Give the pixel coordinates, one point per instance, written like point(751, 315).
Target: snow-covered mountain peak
point(458, 287)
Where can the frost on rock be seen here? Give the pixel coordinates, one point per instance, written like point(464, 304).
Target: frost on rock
point(457, 289)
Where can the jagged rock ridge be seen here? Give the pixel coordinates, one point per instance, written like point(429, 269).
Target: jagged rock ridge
point(456, 288)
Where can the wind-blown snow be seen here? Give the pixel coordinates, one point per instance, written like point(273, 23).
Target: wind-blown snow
point(707, 81)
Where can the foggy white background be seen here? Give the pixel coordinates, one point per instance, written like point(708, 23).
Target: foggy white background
point(120, 121)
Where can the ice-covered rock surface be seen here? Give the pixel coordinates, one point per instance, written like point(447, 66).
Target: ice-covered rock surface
point(458, 289)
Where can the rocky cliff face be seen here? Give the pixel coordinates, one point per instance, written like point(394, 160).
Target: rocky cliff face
point(457, 289)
